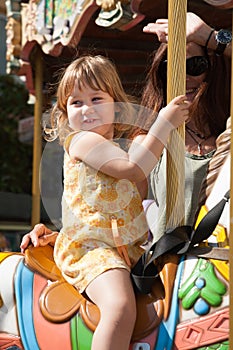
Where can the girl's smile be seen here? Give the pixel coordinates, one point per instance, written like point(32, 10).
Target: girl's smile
point(92, 121)
point(90, 109)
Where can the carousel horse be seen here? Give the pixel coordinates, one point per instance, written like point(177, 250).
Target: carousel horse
point(187, 308)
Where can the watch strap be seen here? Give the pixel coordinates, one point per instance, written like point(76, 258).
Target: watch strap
point(220, 49)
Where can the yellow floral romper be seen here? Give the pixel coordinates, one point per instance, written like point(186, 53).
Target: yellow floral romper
point(85, 246)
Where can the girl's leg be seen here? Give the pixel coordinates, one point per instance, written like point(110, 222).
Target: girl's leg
point(113, 293)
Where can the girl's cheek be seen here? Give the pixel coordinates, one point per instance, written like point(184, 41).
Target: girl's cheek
point(74, 123)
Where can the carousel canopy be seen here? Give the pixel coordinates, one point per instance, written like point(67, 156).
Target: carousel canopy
point(61, 30)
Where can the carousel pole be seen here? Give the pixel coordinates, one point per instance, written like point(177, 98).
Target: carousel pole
point(231, 214)
point(176, 80)
point(37, 143)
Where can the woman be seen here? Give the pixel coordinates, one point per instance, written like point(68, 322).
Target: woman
point(208, 90)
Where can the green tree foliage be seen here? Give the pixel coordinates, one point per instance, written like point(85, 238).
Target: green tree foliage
point(15, 157)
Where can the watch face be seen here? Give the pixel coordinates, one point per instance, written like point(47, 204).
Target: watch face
point(224, 36)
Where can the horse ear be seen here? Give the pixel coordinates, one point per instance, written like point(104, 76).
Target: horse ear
point(167, 265)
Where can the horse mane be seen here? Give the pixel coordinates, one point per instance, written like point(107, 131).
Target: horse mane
point(215, 164)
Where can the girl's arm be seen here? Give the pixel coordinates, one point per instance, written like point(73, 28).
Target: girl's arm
point(136, 165)
point(142, 186)
point(39, 236)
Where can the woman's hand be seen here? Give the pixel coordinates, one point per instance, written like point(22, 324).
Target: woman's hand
point(160, 28)
point(196, 29)
point(39, 236)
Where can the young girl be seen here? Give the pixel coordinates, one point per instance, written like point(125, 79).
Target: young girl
point(103, 220)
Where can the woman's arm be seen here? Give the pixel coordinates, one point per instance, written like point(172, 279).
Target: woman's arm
point(196, 31)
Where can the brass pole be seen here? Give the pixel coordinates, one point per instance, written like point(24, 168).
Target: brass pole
point(231, 217)
point(176, 80)
point(37, 142)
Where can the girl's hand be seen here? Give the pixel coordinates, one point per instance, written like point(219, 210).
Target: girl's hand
point(176, 112)
point(39, 236)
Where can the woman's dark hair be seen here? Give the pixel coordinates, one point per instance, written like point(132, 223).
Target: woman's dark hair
point(155, 92)
point(211, 106)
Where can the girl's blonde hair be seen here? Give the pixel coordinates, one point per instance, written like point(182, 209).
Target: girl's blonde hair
point(99, 73)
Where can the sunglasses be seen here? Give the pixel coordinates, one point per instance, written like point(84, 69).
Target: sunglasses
point(195, 65)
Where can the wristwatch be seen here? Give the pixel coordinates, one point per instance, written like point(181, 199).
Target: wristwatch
point(223, 38)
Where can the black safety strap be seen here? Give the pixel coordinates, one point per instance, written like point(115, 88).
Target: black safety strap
point(182, 239)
